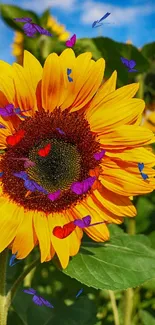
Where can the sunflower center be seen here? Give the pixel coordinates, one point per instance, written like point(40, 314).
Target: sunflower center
point(59, 168)
point(70, 159)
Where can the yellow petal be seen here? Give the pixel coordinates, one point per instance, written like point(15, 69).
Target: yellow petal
point(43, 234)
point(126, 136)
point(33, 70)
point(75, 237)
point(11, 217)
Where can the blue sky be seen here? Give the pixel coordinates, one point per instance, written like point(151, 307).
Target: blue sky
point(129, 20)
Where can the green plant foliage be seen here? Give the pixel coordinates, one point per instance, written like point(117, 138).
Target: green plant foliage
point(146, 318)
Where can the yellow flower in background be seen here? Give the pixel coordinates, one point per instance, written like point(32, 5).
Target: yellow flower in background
point(60, 30)
point(17, 47)
point(149, 121)
point(92, 117)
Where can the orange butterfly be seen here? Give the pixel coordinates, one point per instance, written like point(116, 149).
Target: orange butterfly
point(65, 231)
point(43, 152)
point(12, 140)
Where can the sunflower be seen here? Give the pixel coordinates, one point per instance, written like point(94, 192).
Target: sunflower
point(58, 29)
point(17, 47)
point(92, 116)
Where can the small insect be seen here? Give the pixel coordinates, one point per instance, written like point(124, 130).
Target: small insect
point(99, 155)
point(1, 174)
point(30, 29)
point(60, 131)
point(38, 300)
point(98, 21)
point(84, 186)
point(141, 167)
point(130, 64)
point(12, 260)
point(86, 222)
point(54, 196)
point(12, 140)
point(29, 184)
point(65, 231)
point(43, 152)
point(21, 175)
point(71, 42)
point(68, 73)
point(79, 292)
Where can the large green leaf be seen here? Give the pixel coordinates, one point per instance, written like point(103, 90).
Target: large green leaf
point(146, 318)
point(148, 51)
point(145, 209)
point(8, 13)
point(126, 261)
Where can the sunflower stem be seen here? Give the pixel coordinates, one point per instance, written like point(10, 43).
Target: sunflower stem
point(129, 293)
point(20, 279)
point(3, 295)
point(114, 307)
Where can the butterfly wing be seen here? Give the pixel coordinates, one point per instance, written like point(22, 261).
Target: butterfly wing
point(144, 176)
point(21, 175)
point(29, 29)
point(125, 62)
point(87, 220)
point(77, 188)
point(30, 291)
point(1, 174)
point(140, 166)
point(132, 64)
point(54, 196)
point(79, 223)
point(60, 131)
point(79, 292)
point(65, 231)
point(105, 16)
point(23, 20)
point(99, 155)
point(37, 300)
point(94, 23)
point(46, 302)
point(69, 43)
point(73, 39)
point(12, 258)
point(70, 79)
point(2, 126)
point(69, 71)
point(42, 30)
point(43, 152)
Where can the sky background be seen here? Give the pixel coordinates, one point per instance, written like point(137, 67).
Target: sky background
point(129, 20)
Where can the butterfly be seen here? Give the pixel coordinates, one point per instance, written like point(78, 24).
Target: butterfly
point(84, 186)
point(1, 174)
point(79, 292)
point(12, 260)
point(71, 42)
point(38, 300)
point(29, 184)
point(65, 231)
point(54, 196)
point(69, 72)
point(12, 140)
point(141, 167)
point(60, 131)
point(2, 126)
point(130, 64)
point(43, 152)
point(98, 21)
point(30, 29)
point(85, 222)
point(99, 155)
point(10, 110)
point(27, 164)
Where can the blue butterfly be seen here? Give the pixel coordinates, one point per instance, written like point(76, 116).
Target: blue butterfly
point(12, 259)
point(69, 72)
point(130, 64)
point(98, 21)
point(141, 167)
point(79, 292)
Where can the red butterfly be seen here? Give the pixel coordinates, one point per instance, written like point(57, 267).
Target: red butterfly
point(43, 152)
point(12, 140)
point(65, 231)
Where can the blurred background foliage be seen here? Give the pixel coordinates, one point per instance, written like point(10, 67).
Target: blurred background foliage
point(98, 269)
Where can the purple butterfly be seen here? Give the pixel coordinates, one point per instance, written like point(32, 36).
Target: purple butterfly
point(98, 21)
point(85, 222)
point(99, 155)
point(10, 110)
point(2, 126)
point(12, 259)
point(21, 175)
point(30, 29)
point(32, 186)
point(60, 131)
point(84, 186)
point(68, 73)
point(130, 64)
point(37, 299)
point(141, 167)
point(54, 196)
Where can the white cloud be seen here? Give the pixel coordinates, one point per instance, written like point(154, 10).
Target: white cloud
point(41, 5)
point(119, 15)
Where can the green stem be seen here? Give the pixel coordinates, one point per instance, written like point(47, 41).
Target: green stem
point(17, 283)
point(114, 307)
point(129, 293)
point(3, 301)
point(140, 79)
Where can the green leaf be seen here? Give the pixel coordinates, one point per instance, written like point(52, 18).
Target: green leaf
point(126, 261)
point(145, 209)
point(148, 51)
point(146, 318)
point(9, 12)
point(44, 18)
